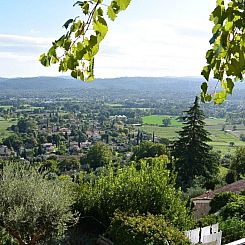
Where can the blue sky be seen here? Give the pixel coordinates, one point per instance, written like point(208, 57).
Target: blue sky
point(152, 38)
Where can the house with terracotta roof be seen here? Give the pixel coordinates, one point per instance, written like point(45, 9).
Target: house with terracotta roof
point(201, 203)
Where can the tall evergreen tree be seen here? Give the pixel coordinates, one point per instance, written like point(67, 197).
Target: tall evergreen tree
point(193, 157)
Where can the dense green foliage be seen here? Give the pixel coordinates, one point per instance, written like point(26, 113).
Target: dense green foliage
point(99, 155)
point(150, 188)
point(238, 161)
point(221, 200)
point(32, 208)
point(226, 58)
point(234, 209)
point(136, 229)
point(233, 229)
point(149, 149)
point(192, 155)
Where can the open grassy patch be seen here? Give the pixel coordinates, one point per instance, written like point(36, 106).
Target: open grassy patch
point(221, 140)
point(6, 106)
point(157, 120)
point(4, 124)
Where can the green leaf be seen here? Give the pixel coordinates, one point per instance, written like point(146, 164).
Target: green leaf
point(52, 51)
point(54, 60)
point(92, 41)
point(81, 76)
point(209, 55)
point(68, 22)
point(80, 53)
point(60, 41)
point(206, 72)
point(230, 85)
point(90, 78)
point(71, 63)
point(219, 97)
point(216, 28)
point(67, 44)
point(228, 26)
point(204, 87)
point(111, 13)
point(208, 97)
point(74, 74)
point(123, 4)
point(85, 8)
point(45, 61)
point(220, 2)
point(100, 11)
point(100, 26)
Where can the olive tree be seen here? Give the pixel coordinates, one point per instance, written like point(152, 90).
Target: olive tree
point(33, 208)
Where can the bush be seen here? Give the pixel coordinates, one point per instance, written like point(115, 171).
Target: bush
point(231, 177)
point(148, 149)
point(136, 229)
point(194, 192)
point(234, 209)
point(232, 229)
point(208, 220)
point(220, 200)
point(148, 188)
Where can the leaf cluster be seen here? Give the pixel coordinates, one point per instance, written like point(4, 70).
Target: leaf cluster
point(75, 50)
point(226, 58)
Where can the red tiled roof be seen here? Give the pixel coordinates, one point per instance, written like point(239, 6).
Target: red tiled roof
point(235, 187)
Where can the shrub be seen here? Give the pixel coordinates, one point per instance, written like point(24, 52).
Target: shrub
point(148, 188)
point(220, 200)
point(231, 177)
point(136, 229)
point(208, 220)
point(194, 192)
point(234, 209)
point(232, 229)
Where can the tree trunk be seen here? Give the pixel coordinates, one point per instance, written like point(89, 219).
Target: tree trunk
point(16, 235)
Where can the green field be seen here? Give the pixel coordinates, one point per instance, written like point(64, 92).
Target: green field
point(4, 124)
point(6, 106)
point(220, 139)
point(114, 105)
point(157, 120)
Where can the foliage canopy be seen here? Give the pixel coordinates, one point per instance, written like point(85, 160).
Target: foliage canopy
point(145, 188)
point(32, 208)
point(141, 229)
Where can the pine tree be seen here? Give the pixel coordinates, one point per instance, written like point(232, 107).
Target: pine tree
point(193, 157)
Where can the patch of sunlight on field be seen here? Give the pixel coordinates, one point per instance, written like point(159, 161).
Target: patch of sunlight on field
point(220, 139)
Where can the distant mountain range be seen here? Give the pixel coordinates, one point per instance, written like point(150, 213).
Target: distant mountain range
point(191, 84)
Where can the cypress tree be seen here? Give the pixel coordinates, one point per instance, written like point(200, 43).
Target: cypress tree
point(192, 155)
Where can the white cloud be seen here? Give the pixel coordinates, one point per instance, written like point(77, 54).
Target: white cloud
point(25, 39)
point(149, 47)
point(17, 57)
point(154, 47)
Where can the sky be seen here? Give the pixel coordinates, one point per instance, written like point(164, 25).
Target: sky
point(151, 38)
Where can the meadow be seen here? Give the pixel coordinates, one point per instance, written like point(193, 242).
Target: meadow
point(4, 124)
point(221, 137)
point(157, 120)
